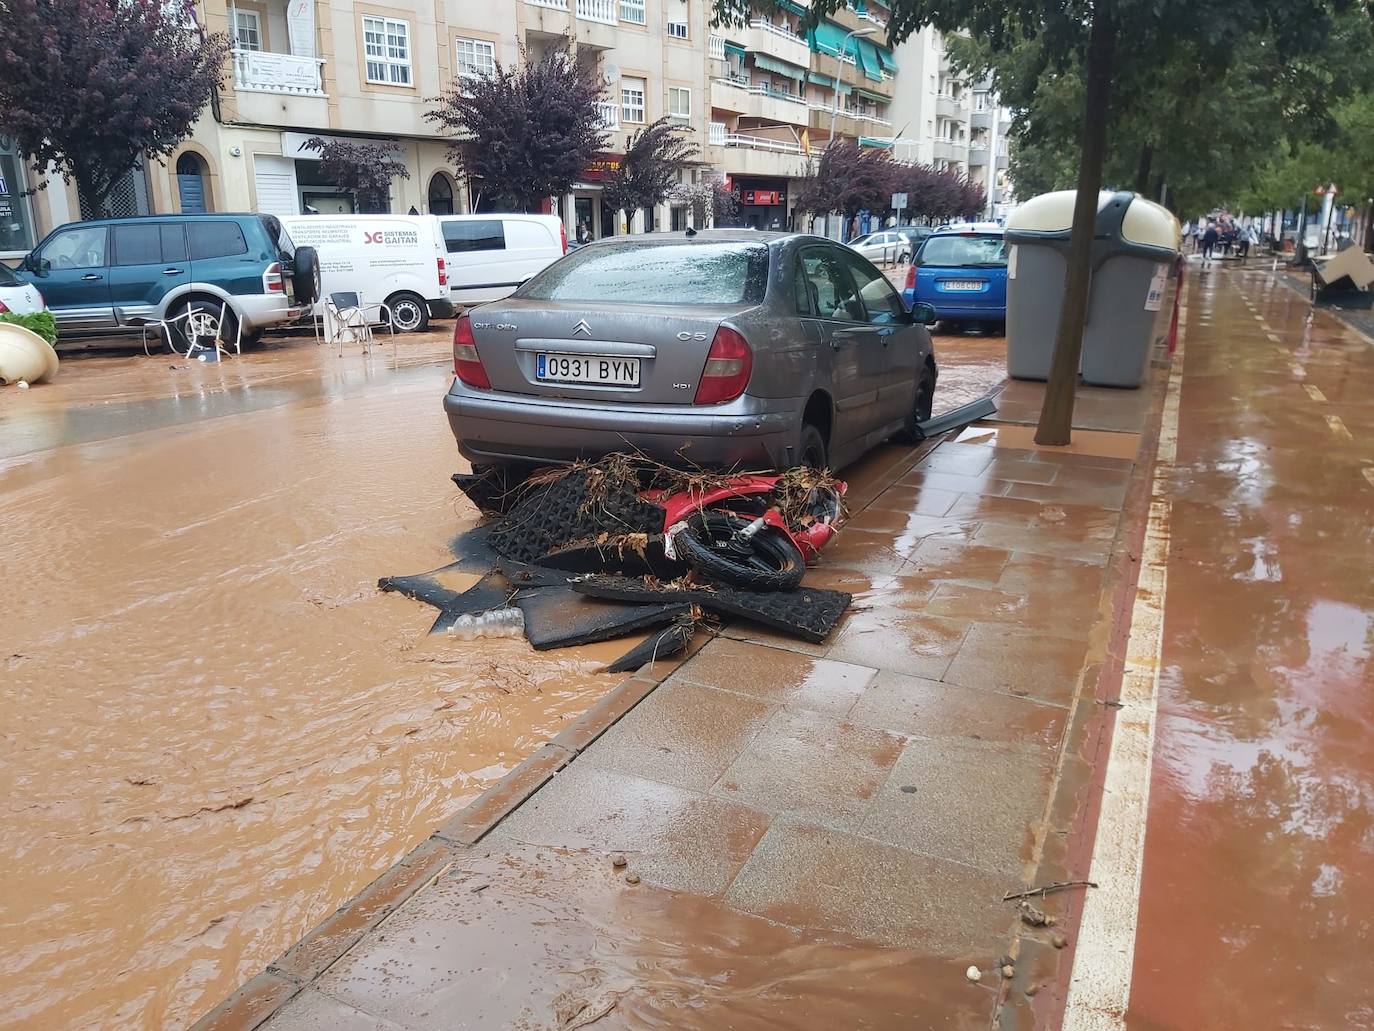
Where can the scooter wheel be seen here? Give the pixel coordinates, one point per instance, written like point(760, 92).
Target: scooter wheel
point(769, 561)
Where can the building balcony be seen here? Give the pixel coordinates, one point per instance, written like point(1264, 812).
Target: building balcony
point(951, 150)
point(763, 37)
point(847, 123)
point(556, 5)
point(980, 119)
point(757, 101)
point(715, 47)
point(763, 156)
point(1001, 162)
point(258, 71)
point(610, 115)
point(948, 107)
point(606, 12)
point(977, 156)
point(717, 133)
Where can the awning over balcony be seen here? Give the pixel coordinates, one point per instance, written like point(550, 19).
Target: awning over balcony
point(829, 38)
point(772, 64)
point(875, 141)
point(876, 98)
point(868, 60)
point(734, 49)
point(886, 59)
point(829, 83)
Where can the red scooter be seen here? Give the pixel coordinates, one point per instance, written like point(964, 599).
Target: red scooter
point(738, 533)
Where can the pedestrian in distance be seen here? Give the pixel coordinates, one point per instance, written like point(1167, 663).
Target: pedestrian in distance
point(1209, 242)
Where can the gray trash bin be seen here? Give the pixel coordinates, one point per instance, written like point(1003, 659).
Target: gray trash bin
point(1134, 245)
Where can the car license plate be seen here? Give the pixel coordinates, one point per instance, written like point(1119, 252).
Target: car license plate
point(962, 284)
point(601, 370)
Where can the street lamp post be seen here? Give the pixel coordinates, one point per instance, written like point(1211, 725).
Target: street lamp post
point(839, 68)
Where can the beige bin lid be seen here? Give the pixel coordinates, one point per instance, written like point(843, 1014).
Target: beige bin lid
point(1051, 212)
point(1145, 222)
point(1151, 224)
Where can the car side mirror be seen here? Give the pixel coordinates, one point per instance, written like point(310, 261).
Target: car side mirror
point(922, 313)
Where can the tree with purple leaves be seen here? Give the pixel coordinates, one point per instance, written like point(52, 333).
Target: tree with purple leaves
point(92, 86)
point(847, 178)
point(527, 132)
point(363, 169)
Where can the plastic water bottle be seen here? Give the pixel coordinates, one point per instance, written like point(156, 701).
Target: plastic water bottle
point(503, 622)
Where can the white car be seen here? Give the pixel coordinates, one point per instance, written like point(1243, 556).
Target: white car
point(885, 246)
point(490, 255)
point(18, 296)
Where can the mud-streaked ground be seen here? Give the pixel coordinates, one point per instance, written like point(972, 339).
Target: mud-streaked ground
point(216, 729)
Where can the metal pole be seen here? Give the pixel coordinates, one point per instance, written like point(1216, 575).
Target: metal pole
point(839, 68)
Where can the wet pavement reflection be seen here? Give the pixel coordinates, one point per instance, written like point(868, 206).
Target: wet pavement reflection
point(217, 731)
point(1258, 893)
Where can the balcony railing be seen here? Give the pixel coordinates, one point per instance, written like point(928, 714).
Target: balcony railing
point(763, 143)
point(557, 5)
point(776, 30)
point(604, 11)
point(610, 114)
point(263, 72)
point(759, 90)
point(872, 119)
point(715, 48)
point(718, 134)
point(869, 17)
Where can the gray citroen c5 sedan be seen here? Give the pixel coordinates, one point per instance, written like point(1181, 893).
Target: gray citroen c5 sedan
point(719, 348)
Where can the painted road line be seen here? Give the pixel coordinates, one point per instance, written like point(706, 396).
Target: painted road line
point(1338, 427)
point(1100, 987)
point(1314, 392)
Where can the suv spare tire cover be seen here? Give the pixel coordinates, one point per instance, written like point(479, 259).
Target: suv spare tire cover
point(305, 280)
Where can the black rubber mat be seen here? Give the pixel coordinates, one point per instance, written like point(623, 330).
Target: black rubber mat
point(490, 592)
point(662, 645)
point(557, 514)
point(556, 617)
point(807, 612)
point(494, 490)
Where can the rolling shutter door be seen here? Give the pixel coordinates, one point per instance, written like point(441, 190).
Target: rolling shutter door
point(275, 179)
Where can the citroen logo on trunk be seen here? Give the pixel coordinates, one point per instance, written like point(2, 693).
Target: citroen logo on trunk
point(582, 328)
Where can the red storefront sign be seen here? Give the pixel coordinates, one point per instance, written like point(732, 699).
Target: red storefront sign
point(602, 167)
point(766, 198)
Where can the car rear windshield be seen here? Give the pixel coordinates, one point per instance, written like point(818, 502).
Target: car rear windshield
point(656, 273)
point(964, 251)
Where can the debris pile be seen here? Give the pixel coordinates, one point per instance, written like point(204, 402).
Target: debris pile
point(584, 554)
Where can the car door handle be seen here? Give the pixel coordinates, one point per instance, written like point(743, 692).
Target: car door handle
point(89, 276)
point(171, 272)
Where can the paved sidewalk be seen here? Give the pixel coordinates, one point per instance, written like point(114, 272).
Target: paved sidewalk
point(816, 836)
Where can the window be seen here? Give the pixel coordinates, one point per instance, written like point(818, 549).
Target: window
point(247, 30)
point(137, 244)
point(656, 273)
point(475, 57)
point(215, 240)
point(632, 100)
point(880, 300)
point(679, 101)
point(965, 252)
point(832, 293)
point(387, 45)
point(980, 102)
point(16, 225)
point(83, 247)
point(677, 29)
point(632, 11)
point(486, 234)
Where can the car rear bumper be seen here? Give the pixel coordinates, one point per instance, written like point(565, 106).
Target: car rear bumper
point(260, 311)
point(501, 429)
point(945, 309)
point(442, 308)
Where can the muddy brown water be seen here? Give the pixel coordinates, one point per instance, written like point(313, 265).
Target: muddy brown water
point(216, 730)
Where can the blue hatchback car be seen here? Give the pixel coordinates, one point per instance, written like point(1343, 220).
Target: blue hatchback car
point(961, 272)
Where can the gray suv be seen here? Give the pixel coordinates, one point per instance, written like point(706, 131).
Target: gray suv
point(719, 348)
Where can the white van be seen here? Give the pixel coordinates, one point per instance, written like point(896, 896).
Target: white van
point(398, 260)
point(490, 255)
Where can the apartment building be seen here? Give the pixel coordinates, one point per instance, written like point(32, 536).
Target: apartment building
point(948, 122)
point(763, 98)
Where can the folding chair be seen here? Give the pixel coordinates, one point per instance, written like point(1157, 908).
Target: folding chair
point(197, 326)
point(350, 319)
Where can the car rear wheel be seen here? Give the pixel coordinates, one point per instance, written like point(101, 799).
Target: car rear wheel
point(811, 451)
point(409, 313)
point(922, 407)
point(201, 325)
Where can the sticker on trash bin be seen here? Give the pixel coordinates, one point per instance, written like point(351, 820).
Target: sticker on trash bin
point(1155, 298)
point(1011, 263)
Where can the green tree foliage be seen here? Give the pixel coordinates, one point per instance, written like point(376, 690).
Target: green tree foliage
point(525, 132)
point(1344, 156)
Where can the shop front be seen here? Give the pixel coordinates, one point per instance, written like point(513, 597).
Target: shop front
point(16, 213)
point(763, 202)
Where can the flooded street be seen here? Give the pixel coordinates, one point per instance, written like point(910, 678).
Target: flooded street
point(217, 730)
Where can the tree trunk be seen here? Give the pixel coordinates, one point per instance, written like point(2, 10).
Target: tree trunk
point(1056, 416)
point(1142, 170)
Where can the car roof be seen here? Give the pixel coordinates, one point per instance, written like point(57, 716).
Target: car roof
point(170, 215)
point(982, 228)
point(702, 236)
